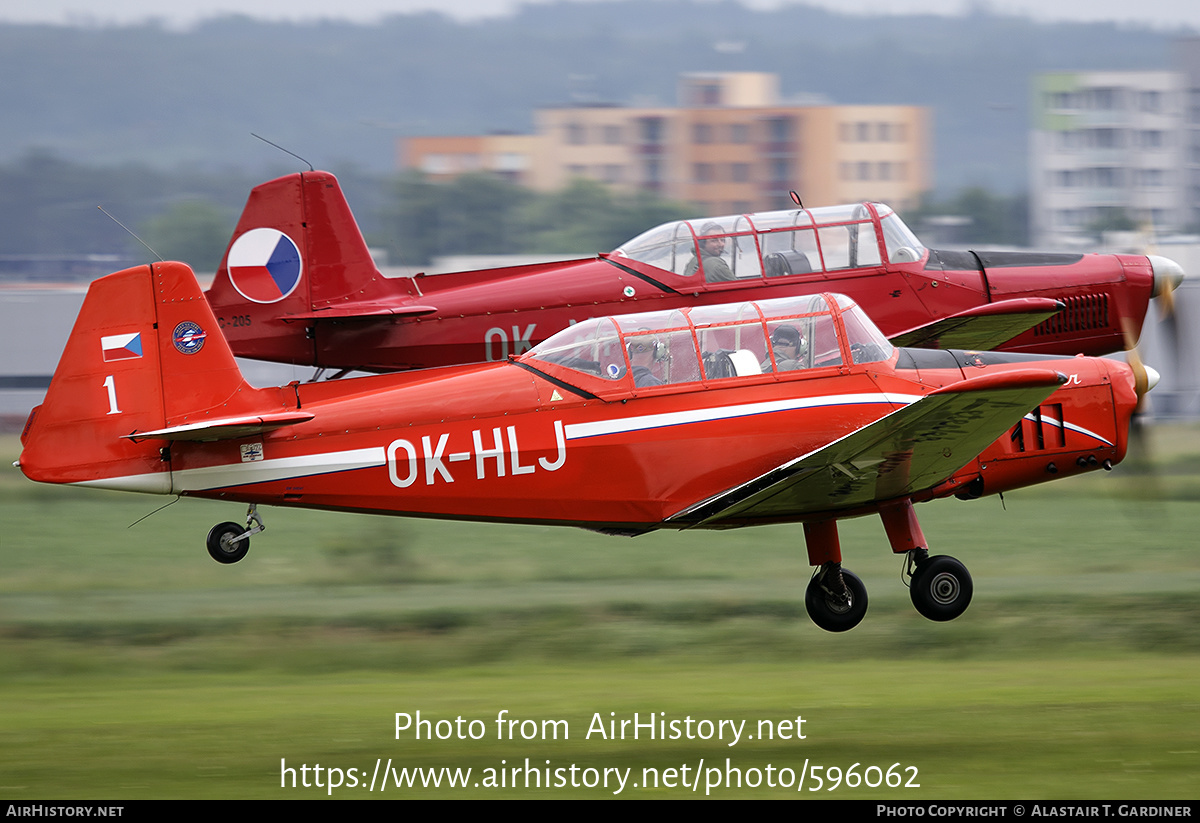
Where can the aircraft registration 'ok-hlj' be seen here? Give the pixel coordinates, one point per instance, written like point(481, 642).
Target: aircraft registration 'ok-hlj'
point(718, 416)
point(297, 285)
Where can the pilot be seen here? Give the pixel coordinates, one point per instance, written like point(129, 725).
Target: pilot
point(716, 270)
point(644, 352)
point(790, 348)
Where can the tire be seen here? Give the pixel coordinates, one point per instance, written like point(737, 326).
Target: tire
point(941, 588)
point(221, 547)
point(830, 613)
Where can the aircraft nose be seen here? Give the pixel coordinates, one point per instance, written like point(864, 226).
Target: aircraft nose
point(1167, 273)
point(1152, 377)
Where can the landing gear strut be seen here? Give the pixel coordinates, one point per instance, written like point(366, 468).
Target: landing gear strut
point(229, 542)
point(836, 599)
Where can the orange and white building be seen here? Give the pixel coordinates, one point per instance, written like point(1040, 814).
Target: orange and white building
point(731, 146)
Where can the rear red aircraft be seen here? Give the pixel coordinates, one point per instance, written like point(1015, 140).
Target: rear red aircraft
point(710, 417)
point(297, 285)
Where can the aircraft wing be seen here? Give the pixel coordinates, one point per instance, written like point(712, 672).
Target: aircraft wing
point(912, 449)
point(981, 328)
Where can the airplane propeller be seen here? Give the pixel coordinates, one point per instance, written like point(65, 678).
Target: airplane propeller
point(1145, 378)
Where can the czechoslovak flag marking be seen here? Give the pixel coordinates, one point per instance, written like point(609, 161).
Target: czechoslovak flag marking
point(264, 265)
point(121, 346)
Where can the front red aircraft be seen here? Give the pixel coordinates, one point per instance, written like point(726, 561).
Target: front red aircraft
point(716, 416)
point(297, 285)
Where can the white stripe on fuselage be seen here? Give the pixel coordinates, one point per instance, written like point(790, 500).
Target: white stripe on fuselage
point(286, 468)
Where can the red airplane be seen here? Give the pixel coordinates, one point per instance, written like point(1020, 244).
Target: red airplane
point(297, 285)
point(715, 416)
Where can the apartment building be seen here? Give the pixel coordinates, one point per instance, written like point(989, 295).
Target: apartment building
point(1106, 145)
point(731, 145)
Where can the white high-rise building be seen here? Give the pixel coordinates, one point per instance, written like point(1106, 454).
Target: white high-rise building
point(1107, 148)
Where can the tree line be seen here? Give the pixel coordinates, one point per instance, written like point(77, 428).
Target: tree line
point(49, 206)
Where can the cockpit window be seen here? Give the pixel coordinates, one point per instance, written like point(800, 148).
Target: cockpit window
point(709, 344)
point(775, 244)
point(867, 342)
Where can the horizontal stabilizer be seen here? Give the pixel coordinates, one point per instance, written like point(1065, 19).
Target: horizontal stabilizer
point(228, 428)
point(360, 311)
point(912, 449)
point(981, 328)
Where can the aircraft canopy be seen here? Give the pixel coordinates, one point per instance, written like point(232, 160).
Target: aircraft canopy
point(778, 243)
point(764, 338)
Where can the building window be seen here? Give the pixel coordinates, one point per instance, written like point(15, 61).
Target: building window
point(862, 132)
point(651, 129)
point(576, 134)
point(702, 133)
point(739, 172)
point(883, 132)
point(702, 172)
point(1151, 139)
point(779, 130)
point(739, 133)
point(611, 135)
point(611, 173)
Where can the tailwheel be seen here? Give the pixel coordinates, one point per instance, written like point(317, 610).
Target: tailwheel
point(836, 599)
point(941, 587)
point(228, 542)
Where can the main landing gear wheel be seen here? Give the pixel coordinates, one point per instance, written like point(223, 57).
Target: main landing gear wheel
point(836, 599)
point(941, 588)
point(223, 543)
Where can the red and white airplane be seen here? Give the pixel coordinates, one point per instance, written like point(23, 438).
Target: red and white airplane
point(715, 416)
point(297, 285)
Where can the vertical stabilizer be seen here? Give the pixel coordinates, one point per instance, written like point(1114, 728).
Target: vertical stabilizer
point(144, 354)
point(296, 250)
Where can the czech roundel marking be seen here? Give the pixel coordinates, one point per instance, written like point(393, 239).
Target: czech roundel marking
point(264, 265)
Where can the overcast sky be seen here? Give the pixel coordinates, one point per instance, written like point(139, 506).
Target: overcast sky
point(180, 13)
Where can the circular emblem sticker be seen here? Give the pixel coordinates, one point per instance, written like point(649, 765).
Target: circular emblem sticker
point(188, 337)
point(264, 265)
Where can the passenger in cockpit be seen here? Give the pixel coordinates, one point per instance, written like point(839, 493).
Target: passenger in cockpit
point(716, 270)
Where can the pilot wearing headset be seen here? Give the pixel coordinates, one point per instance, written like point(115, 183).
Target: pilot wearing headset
point(644, 352)
point(790, 348)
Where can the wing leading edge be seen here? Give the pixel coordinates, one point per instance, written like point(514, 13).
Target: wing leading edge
point(981, 328)
point(912, 449)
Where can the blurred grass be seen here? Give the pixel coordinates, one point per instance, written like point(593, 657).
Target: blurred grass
point(132, 665)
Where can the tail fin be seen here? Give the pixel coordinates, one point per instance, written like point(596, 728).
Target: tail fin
point(296, 250)
point(144, 360)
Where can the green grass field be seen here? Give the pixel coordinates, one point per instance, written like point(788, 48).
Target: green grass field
point(133, 666)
